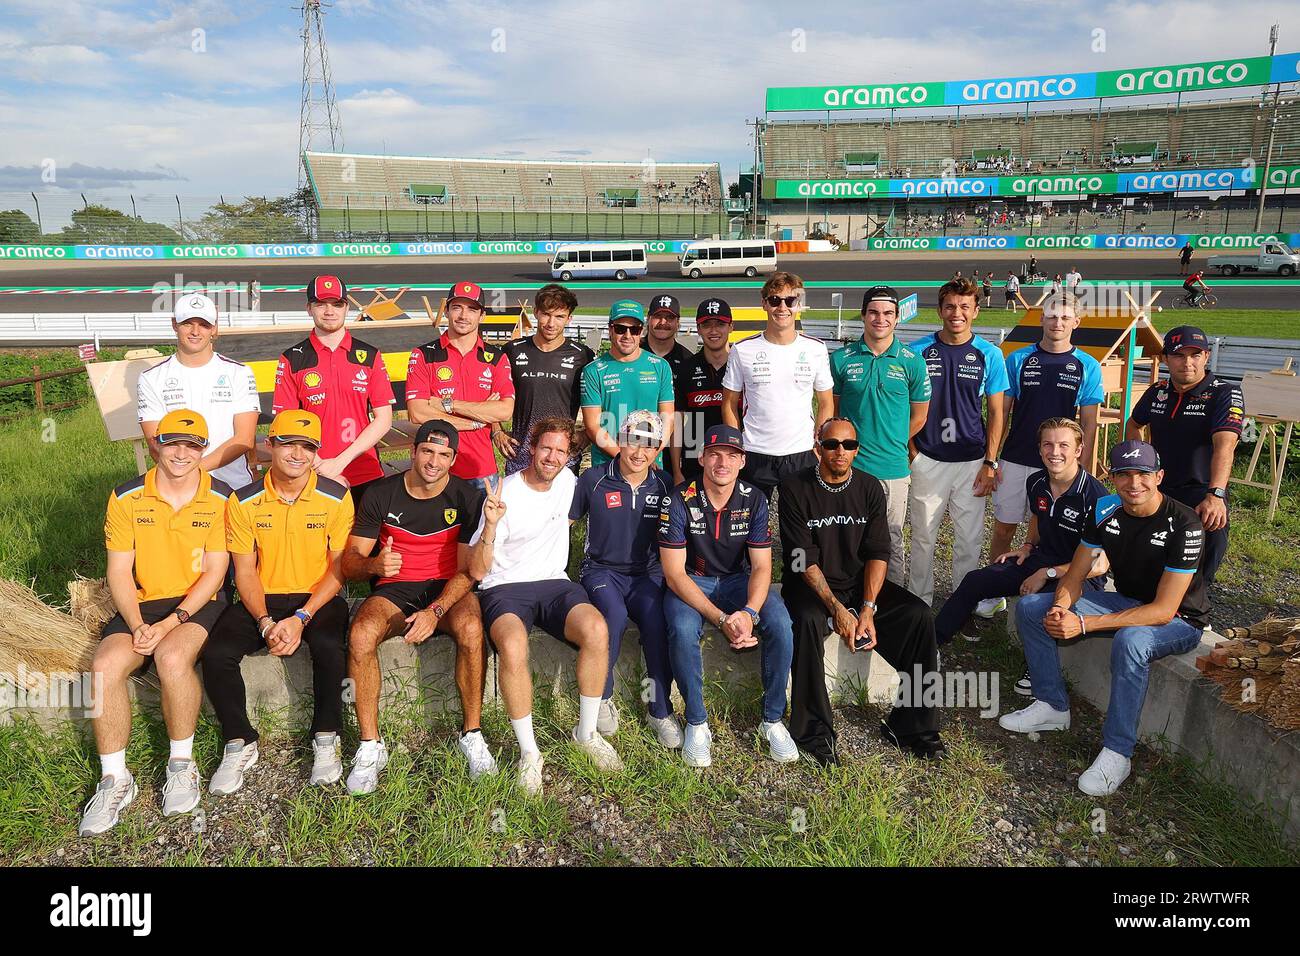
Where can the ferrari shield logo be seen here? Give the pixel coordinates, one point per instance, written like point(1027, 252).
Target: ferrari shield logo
point(487, 356)
point(449, 515)
point(361, 354)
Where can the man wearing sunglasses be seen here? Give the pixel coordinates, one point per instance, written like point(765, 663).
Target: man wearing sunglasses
point(628, 379)
point(883, 388)
point(836, 545)
point(770, 382)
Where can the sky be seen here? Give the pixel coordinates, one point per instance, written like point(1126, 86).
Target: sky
point(201, 97)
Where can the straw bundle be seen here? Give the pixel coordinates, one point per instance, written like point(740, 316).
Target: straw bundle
point(91, 602)
point(1283, 707)
point(1268, 655)
point(37, 638)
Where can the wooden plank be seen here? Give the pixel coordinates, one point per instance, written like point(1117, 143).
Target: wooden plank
point(1272, 396)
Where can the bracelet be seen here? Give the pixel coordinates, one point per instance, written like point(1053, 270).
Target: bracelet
point(751, 612)
point(721, 622)
point(1083, 628)
point(268, 627)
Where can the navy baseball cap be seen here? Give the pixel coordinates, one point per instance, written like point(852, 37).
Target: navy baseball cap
point(666, 303)
point(1134, 455)
point(1186, 337)
point(880, 293)
point(713, 309)
point(437, 427)
point(323, 288)
point(723, 435)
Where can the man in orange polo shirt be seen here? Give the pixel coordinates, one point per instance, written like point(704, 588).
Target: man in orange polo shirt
point(458, 379)
point(166, 537)
point(286, 535)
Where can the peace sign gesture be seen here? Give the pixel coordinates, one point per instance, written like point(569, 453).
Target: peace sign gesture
point(494, 508)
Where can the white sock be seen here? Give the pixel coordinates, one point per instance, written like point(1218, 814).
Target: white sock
point(588, 711)
point(113, 765)
point(183, 749)
point(523, 728)
point(368, 748)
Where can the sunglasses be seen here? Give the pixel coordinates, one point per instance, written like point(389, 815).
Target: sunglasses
point(834, 444)
point(625, 329)
point(790, 301)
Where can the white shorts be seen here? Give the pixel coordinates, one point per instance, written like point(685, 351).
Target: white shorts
point(1010, 503)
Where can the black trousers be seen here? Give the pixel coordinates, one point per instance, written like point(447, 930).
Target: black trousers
point(1216, 542)
point(236, 636)
point(767, 471)
point(904, 638)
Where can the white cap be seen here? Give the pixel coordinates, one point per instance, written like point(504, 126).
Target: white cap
point(192, 305)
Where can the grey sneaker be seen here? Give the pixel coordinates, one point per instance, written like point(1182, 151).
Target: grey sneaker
point(781, 745)
point(604, 756)
point(326, 765)
point(475, 749)
point(112, 796)
point(989, 607)
point(668, 730)
point(695, 748)
point(607, 719)
point(530, 773)
point(236, 760)
point(182, 790)
point(364, 777)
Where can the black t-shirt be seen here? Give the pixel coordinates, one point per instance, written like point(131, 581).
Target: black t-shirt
point(839, 531)
point(425, 532)
point(1183, 427)
point(698, 396)
point(547, 384)
point(1141, 550)
point(676, 358)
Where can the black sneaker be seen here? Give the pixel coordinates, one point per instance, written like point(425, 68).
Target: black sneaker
point(926, 745)
point(1024, 687)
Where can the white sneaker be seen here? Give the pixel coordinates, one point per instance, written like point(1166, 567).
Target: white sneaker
point(781, 746)
point(695, 748)
point(366, 768)
point(530, 773)
point(1038, 716)
point(476, 751)
point(1105, 775)
point(607, 719)
point(326, 764)
point(112, 796)
point(181, 791)
point(990, 606)
point(236, 760)
point(604, 756)
point(668, 731)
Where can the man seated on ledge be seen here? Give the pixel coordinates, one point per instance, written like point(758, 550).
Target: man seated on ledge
point(1158, 608)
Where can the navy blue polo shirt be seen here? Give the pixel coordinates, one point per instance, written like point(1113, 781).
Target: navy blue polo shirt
point(1060, 520)
point(1183, 427)
point(622, 522)
point(1046, 385)
point(716, 542)
point(960, 377)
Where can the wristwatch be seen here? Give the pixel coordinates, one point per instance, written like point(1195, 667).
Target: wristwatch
point(990, 463)
point(1051, 574)
point(182, 615)
point(721, 622)
point(446, 405)
point(1220, 493)
point(870, 604)
point(436, 609)
point(753, 615)
point(303, 615)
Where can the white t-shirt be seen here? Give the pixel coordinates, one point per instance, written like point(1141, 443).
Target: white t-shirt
point(532, 538)
point(218, 391)
point(778, 382)
point(1072, 279)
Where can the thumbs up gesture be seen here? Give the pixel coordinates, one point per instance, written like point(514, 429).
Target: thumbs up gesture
point(388, 562)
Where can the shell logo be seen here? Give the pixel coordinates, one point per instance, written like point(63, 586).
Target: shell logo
point(311, 379)
point(444, 374)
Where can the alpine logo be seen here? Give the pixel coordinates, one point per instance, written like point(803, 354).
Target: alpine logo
point(1159, 537)
point(1135, 453)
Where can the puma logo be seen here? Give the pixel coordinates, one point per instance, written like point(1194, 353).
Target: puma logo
point(397, 518)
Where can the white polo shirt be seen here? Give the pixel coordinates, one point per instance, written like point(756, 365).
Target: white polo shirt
point(218, 391)
point(532, 538)
point(777, 382)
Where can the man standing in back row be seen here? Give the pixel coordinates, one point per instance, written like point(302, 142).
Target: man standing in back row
point(664, 316)
point(699, 389)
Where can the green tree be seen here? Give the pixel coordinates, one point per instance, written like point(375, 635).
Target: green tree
point(255, 219)
point(17, 226)
point(102, 224)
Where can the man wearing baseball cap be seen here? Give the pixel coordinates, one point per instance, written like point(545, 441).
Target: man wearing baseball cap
point(459, 380)
point(165, 532)
point(620, 566)
point(664, 321)
point(699, 388)
point(1159, 606)
point(286, 535)
point(199, 379)
point(715, 546)
point(1195, 423)
point(411, 539)
point(627, 379)
point(342, 380)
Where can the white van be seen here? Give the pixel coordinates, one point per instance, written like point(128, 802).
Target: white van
point(713, 257)
point(599, 260)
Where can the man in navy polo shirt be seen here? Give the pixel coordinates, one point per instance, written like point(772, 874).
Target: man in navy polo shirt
point(1195, 422)
point(955, 467)
point(622, 500)
point(716, 551)
point(1051, 379)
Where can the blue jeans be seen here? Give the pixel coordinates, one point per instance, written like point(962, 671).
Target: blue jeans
point(686, 627)
point(479, 483)
point(1130, 658)
point(620, 596)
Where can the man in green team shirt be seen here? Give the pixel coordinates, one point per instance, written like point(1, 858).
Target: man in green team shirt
point(628, 379)
point(883, 388)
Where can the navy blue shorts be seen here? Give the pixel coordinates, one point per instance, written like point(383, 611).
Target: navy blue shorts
point(545, 604)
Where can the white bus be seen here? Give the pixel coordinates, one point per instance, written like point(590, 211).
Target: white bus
point(712, 257)
point(599, 260)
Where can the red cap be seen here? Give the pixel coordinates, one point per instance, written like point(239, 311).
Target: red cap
point(322, 288)
point(467, 290)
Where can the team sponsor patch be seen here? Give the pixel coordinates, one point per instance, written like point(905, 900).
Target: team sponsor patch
point(311, 379)
point(613, 499)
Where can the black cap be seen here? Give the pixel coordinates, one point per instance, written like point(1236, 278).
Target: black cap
point(1134, 455)
point(324, 287)
point(438, 427)
point(713, 309)
point(723, 435)
point(884, 293)
point(664, 302)
point(1186, 336)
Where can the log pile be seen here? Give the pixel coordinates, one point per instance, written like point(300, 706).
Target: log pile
point(1259, 669)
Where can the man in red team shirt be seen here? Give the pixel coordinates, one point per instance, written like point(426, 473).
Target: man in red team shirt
point(458, 379)
point(342, 380)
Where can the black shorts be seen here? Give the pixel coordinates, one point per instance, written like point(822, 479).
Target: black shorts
point(410, 596)
point(151, 612)
point(544, 603)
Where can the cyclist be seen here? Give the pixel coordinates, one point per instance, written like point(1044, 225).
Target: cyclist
point(1190, 284)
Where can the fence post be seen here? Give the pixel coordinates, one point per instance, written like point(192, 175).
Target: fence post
point(40, 394)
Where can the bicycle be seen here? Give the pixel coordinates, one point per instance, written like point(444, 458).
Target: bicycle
point(1202, 300)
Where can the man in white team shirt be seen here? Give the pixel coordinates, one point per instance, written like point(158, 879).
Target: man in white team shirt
point(521, 556)
point(196, 377)
point(770, 381)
